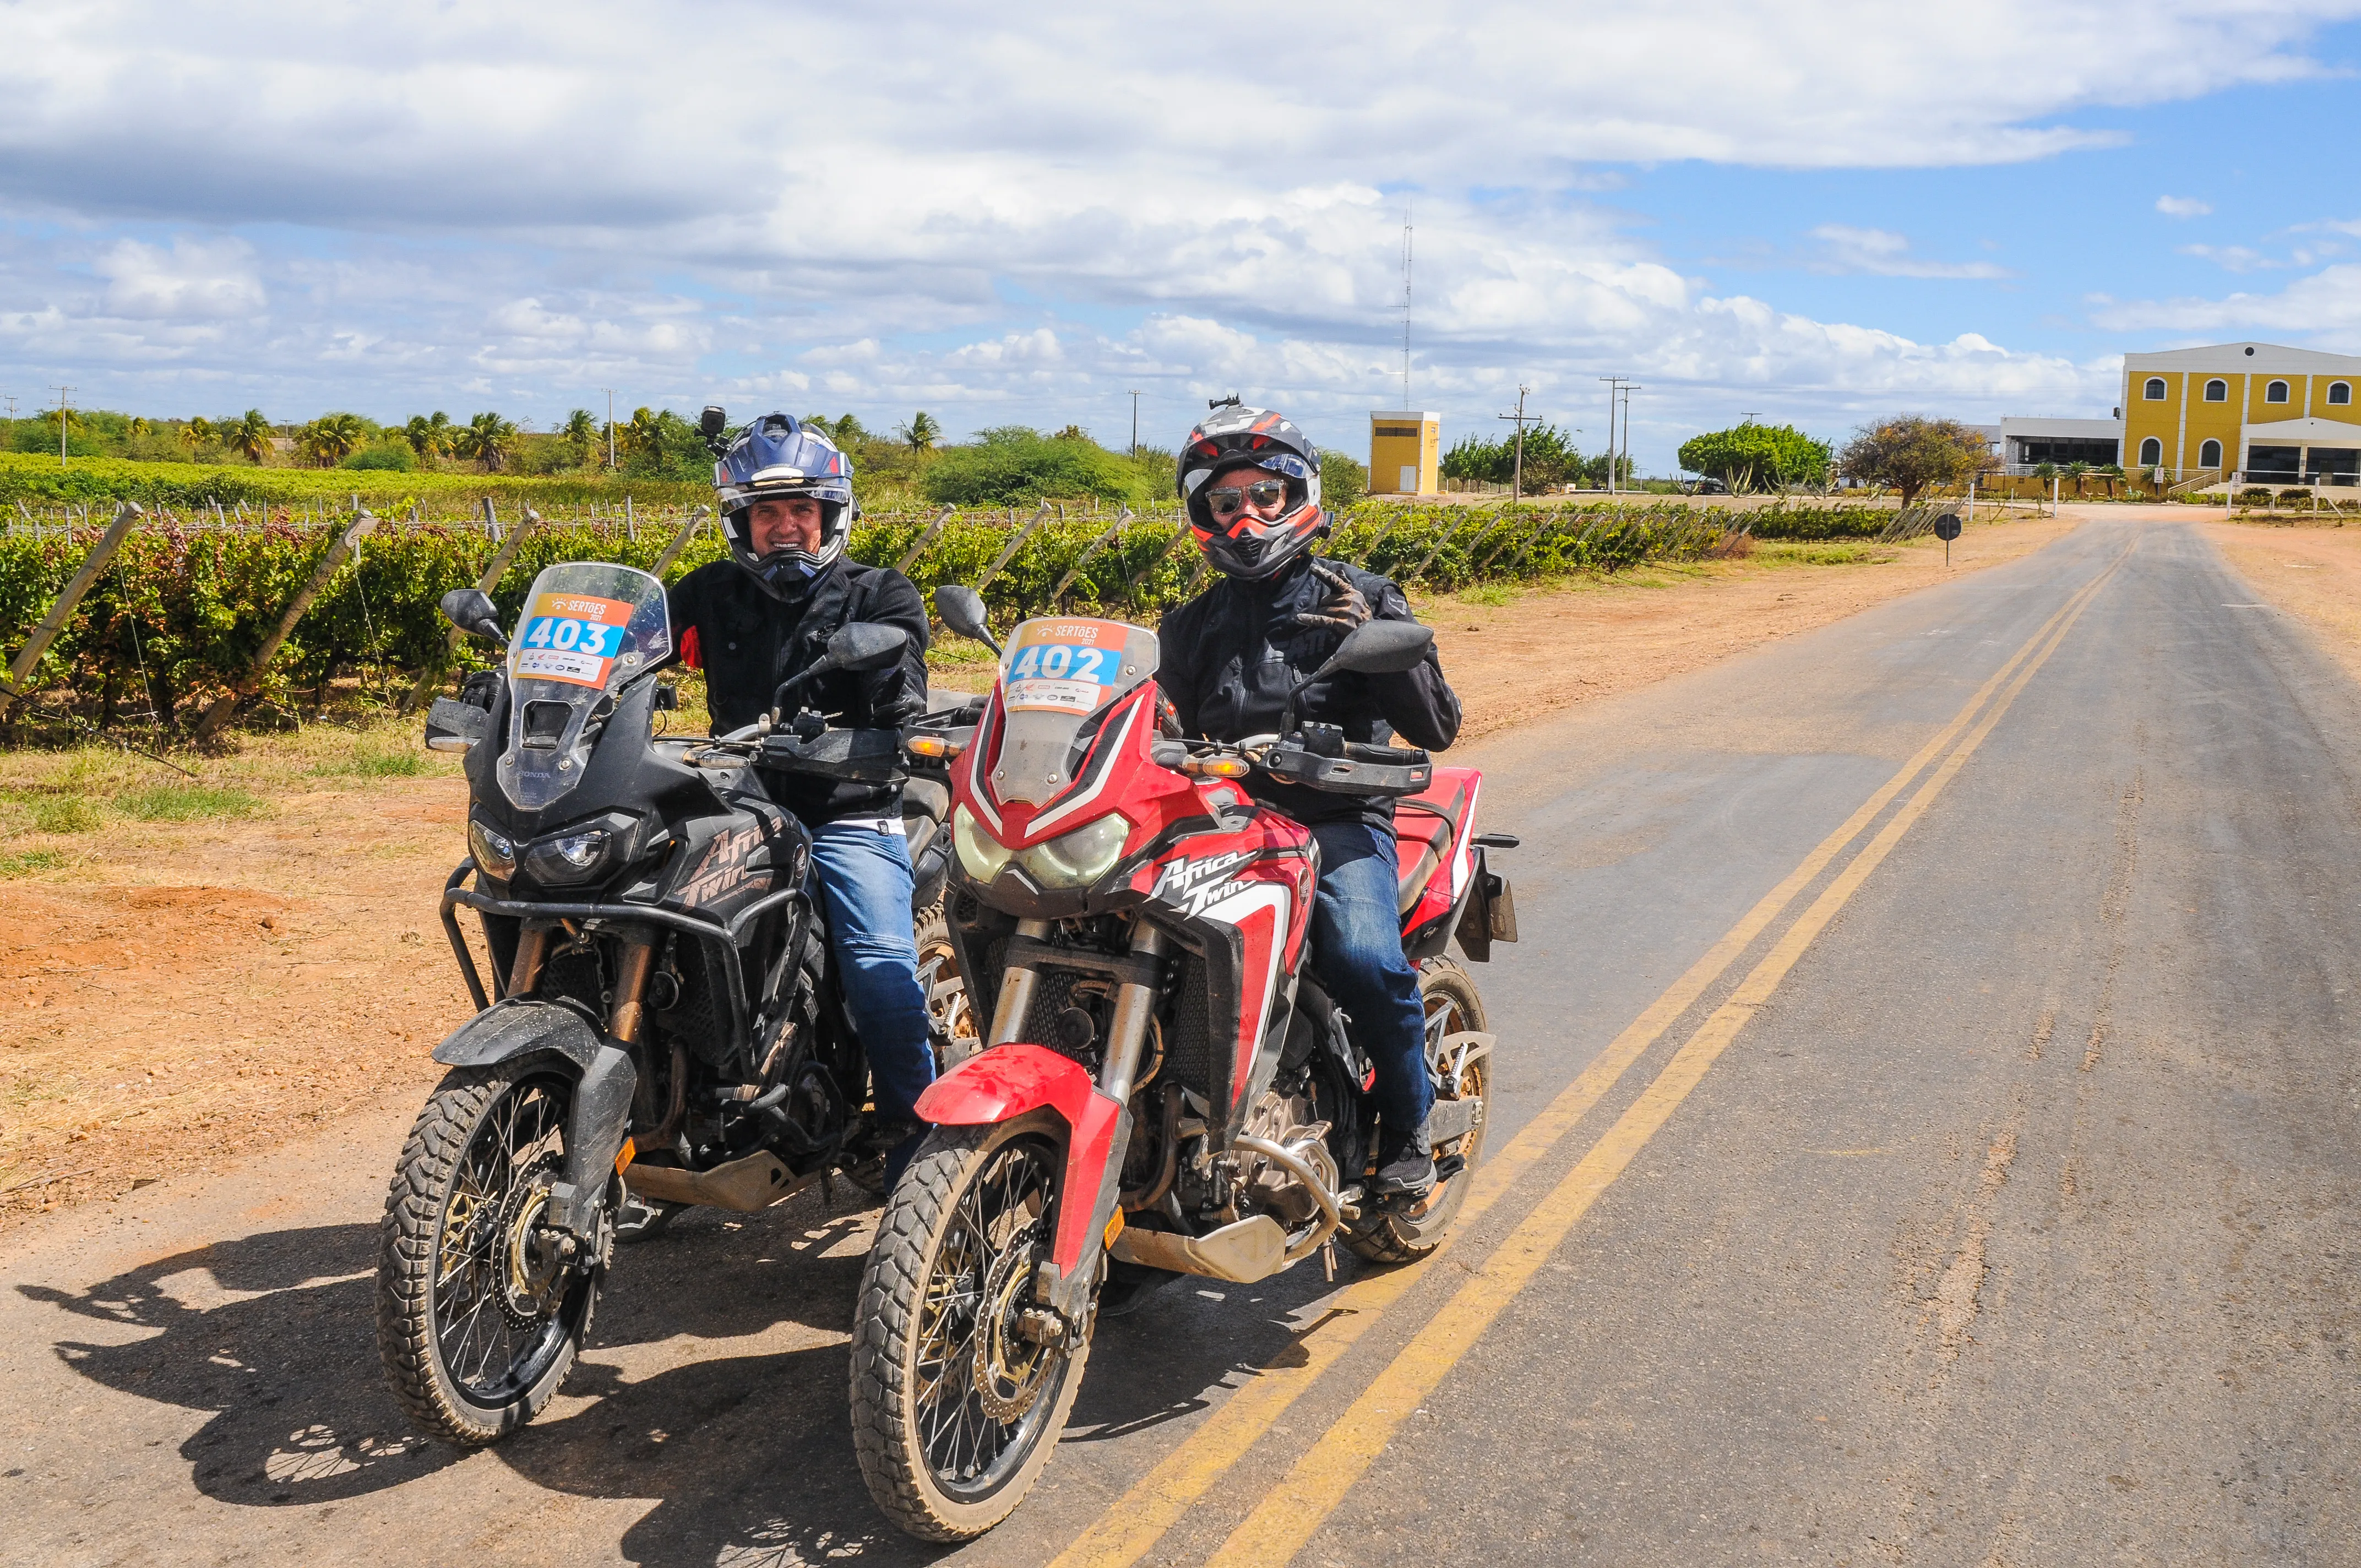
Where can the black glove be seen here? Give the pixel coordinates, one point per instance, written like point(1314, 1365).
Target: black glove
point(1344, 608)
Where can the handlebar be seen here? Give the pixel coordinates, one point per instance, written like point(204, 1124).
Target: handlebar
point(1320, 761)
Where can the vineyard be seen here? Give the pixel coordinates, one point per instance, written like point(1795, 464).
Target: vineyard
point(197, 591)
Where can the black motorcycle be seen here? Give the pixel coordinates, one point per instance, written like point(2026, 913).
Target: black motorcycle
point(663, 1028)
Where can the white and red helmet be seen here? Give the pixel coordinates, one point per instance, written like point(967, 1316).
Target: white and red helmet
point(1247, 545)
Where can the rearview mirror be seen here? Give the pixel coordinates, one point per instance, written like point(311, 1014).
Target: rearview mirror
point(470, 610)
point(866, 645)
point(962, 609)
point(1381, 647)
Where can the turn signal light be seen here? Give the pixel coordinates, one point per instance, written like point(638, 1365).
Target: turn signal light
point(935, 746)
point(1218, 767)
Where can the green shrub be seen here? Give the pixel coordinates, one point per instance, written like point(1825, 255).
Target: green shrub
point(187, 803)
point(1014, 466)
point(25, 862)
point(386, 457)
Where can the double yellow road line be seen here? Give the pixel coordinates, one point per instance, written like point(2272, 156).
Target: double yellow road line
point(1293, 1511)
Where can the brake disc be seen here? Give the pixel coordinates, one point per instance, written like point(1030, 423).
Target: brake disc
point(1009, 1368)
point(531, 1272)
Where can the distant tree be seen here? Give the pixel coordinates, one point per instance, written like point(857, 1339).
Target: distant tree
point(1910, 452)
point(488, 440)
point(581, 434)
point(332, 438)
point(919, 432)
point(249, 435)
point(1343, 480)
point(1750, 456)
point(430, 436)
point(2078, 471)
point(198, 434)
point(1010, 464)
point(848, 431)
point(1072, 432)
point(642, 437)
point(1552, 458)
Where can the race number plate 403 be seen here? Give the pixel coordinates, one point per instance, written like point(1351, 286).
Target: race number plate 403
point(1063, 666)
point(570, 638)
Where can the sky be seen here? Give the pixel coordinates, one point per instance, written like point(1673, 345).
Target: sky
point(1815, 213)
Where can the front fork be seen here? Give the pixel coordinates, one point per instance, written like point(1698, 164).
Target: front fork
point(1097, 1142)
point(602, 1096)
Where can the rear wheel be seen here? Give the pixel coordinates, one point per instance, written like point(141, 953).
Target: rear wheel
point(479, 1318)
point(951, 1015)
point(1403, 1233)
point(958, 1398)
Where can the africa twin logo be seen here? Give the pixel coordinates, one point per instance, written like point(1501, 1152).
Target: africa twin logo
point(1194, 884)
point(722, 869)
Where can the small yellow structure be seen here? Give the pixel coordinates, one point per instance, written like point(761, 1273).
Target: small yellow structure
point(1405, 453)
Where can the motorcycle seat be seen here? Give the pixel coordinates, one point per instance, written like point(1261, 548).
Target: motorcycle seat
point(1425, 826)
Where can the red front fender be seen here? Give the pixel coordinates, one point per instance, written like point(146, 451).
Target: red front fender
point(1006, 1083)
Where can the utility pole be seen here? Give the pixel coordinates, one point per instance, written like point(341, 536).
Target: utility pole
point(610, 430)
point(62, 392)
point(1617, 389)
point(1134, 420)
point(1517, 485)
point(1748, 416)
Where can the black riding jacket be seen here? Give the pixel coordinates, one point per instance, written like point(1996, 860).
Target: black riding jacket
point(747, 642)
point(1228, 657)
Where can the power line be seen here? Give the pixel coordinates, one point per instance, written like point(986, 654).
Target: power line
point(1517, 481)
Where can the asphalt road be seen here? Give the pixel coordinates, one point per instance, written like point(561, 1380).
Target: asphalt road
point(1926, 1135)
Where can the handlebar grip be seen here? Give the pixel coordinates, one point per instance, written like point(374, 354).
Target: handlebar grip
point(1397, 756)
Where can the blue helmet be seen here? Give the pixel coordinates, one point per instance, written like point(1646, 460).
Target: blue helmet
point(779, 457)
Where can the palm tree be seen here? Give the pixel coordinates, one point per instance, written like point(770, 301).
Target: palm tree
point(920, 433)
point(848, 430)
point(489, 440)
point(2078, 471)
point(332, 438)
point(644, 437)
point(248, 435)
point(197, 435)
point(581, 433)
point(430, 437)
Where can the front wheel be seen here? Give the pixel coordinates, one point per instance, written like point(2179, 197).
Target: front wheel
point(1400, 1234)
point(959, 1389)
point(478, 1317)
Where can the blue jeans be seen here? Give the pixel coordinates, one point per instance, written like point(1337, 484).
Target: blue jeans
point(1357, 952)
point(864, 880)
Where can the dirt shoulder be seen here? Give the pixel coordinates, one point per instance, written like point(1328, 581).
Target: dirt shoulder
point(194, 970)
point(2312, 572)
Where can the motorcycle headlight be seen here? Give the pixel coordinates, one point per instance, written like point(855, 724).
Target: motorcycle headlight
point(494, 852)
point(1079, 858)
point(980, 855)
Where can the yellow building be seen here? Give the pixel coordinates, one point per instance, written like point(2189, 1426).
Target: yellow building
point(1405, 453)
point(2252, 411)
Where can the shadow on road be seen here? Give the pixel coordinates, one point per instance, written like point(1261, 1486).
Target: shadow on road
point(746, 1460)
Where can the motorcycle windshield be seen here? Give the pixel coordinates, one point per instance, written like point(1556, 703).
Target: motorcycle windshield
point(588, 628)
point(1056, 677)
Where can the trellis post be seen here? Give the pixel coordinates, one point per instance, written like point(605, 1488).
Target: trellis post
point(1083, 560)
point(431, 675)
point(1024, 533)
point(934, 532)
point(679, 540)
point(226, 705)
point(21, 668)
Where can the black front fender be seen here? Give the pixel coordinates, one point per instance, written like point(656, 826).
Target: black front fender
point(604, 1079)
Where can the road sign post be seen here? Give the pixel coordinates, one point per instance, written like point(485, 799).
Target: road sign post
point(1946, 528)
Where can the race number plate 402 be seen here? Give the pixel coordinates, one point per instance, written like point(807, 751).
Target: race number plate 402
point(572, 638)
point(1063, 666)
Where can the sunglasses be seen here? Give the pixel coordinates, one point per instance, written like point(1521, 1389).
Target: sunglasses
point(1263, 495)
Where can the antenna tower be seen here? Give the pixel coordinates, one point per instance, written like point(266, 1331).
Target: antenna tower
point(1406, 235)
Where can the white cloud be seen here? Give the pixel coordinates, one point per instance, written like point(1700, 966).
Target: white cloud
point(1848, 249)
point(2324, 310)
point(2182, 207)
point(2232, 257)
point(481, 198)
point(194, 279)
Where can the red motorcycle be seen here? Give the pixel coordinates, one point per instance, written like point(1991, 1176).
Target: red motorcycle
point(1165, 1090)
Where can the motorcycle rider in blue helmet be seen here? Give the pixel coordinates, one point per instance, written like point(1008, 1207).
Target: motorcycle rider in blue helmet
point(785, 494)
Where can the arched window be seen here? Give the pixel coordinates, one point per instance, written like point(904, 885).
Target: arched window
point(2275, 392)
point(2155, 388)
point(2217, 391)
point(2151, 453)
point(2210, 454)
point(2340, 393)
